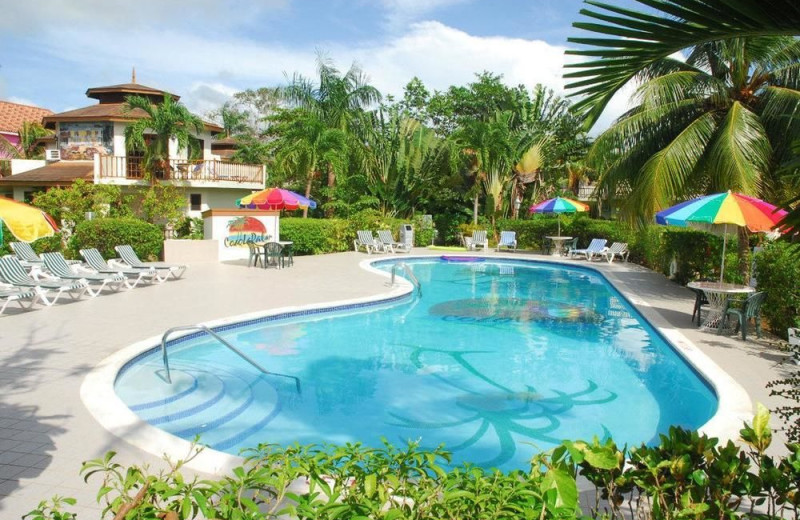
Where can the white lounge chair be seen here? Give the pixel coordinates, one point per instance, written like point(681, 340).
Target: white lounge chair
point(507, 239)
point(479, 240)
point(131, 260)
point(595, 247)
point(25, 254)
point(619, 249)
point(385, 236)
point(18, 295)
point(56, 264)
point(13, 272)
point(133, 276)
point(369, 243)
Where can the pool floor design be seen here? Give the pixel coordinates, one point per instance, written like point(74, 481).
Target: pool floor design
point(493, 391)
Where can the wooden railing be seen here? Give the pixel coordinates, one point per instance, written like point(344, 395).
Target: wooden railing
point(116, 167)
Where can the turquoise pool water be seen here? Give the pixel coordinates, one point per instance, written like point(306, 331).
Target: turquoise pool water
point(497, 360)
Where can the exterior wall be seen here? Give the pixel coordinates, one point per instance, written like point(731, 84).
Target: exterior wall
point(24, 165)
point(119, 139)
point(214, 199)
point(220, 225)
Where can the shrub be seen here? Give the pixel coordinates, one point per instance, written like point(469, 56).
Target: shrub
point(105, 233)
point(696, 253)
point(313, 236)
point(778, 274)
point(189, 228)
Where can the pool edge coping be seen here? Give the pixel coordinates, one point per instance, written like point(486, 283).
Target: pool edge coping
point(112, 414)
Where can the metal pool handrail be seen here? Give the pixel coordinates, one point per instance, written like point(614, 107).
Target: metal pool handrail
point(409, 273)
point(219, 338)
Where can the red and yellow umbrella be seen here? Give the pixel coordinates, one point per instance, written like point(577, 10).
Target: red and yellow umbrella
point(26, 223)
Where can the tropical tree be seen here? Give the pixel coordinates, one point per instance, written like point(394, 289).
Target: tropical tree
point(305, 145)
point(336, 100)
point(28, 147)
point(162, 123)
point(713, 123)
point(234, 120)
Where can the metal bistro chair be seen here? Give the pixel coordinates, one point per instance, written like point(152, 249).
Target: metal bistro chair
point(273, 255)
point(699, 300)
point(569, 246)
point(750, 309)
point(547, 245)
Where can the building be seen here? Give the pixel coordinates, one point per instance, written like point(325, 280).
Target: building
point(13, 116)
point(90, 144)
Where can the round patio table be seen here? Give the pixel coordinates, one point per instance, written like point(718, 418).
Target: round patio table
point(558, 244)
point(717, 294)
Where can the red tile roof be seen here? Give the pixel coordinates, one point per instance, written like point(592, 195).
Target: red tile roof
point(12, 115)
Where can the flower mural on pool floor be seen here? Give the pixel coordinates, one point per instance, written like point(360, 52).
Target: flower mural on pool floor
point(504, 411)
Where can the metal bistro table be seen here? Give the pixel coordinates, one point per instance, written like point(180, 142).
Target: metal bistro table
point(717, 294)
point(558, 244)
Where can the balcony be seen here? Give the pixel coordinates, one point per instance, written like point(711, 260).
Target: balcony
point(129, 170)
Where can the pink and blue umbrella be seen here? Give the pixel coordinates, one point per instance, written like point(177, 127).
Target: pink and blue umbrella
point(275, 199)
point(559, 205)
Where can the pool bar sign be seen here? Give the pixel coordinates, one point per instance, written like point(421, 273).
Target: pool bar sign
point(245, 230)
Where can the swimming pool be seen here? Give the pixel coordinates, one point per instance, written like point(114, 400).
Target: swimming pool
point(496, 360)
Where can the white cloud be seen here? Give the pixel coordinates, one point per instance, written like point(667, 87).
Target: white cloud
point(401, 12)
point(21, 101)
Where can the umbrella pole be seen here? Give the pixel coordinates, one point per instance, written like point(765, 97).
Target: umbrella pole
point(558, 215)
point(724, 243)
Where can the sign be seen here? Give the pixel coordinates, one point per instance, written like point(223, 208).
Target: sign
point(245, 230)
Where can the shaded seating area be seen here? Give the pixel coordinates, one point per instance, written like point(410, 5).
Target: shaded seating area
point(163, 270)
point(750, 310)
point(596, 247)
point(508, 239)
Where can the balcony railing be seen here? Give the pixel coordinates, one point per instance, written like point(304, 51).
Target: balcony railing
point(132, 168)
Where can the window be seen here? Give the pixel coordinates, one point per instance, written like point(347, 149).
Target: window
point(195, 201)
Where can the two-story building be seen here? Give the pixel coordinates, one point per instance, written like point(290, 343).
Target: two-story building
point(90, 144)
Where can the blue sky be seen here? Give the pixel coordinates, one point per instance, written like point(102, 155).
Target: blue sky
point(206, 50)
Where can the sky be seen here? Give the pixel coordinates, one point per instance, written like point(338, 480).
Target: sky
point(51, 51)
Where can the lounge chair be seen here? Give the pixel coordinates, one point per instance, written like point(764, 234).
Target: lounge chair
point(619, 249)
point(595, 247)
point(13, 272)
point(132, 276)
point(507, 239)
point(18, 295)
point(130, 258)
point(369, 243)
point(385, 236)
point(56, 264)
point(25, 254)
point(479, 240)
point(751, 309)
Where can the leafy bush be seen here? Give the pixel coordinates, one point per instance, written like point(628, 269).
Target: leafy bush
point(531, 232)
point(316, 236)
point(189, 228)
point(105, 233)
point(685, 476)
point(778, 274)
point(696, 253)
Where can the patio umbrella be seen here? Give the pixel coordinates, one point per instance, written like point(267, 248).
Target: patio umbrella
point(26, 223)
point(275, 198)
point(559, 205)
point(723, 209)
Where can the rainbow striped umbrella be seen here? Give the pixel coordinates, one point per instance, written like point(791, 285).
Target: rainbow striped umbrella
point(723, 209)
point(275, 198)
point(559, 205)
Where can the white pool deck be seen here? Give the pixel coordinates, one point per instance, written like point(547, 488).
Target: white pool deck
point(46, 430)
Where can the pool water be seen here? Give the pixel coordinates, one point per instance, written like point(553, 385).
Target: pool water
point(497, 360)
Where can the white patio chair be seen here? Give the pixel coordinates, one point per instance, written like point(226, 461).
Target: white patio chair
point(619, 249)
point(385, 236)
point(507, 239)
point(368, 242)
point(479, 240)
point(595, 247)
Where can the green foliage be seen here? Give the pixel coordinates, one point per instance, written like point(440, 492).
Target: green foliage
point(105, 233)
point(189, 228)
point(686, 475)
point(697, 253)
point(778, 274)
point(70, 205)
point(161, 203)
point(530, 232)
point(316, 236)
point(789, 389)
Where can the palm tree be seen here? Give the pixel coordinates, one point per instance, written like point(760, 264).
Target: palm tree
point(165, 121)
point(306, 146)
point(337, 100)
point(716, 122)
point(28, 147)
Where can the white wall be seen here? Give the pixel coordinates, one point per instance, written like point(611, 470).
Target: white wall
point(24, 165)
point(214, 199)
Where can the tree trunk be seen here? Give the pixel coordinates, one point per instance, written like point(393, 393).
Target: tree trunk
point(744, 253)
point(475, 210)
point(309, 182)
point(331, 186)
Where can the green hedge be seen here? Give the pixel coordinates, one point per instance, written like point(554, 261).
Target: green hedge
point(531, 232)
point(105, 233)
point(778, 274)
point(313, 236)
